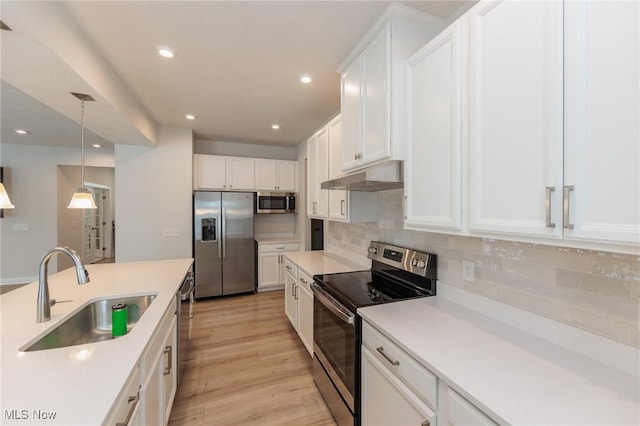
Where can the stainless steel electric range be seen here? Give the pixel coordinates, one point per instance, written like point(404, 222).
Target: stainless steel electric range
point(396, 274)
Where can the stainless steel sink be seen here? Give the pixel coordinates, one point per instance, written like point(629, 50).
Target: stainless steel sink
point(92, 323)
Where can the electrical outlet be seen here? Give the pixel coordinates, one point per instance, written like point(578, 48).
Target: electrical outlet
point(467, 270)
point(171, 232)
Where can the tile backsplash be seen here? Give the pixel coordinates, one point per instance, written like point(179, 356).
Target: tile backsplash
point(592, 290)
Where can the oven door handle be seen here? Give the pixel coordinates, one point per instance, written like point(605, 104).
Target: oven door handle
point(335, 308)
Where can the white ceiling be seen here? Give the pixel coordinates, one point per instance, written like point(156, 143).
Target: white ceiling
point(236, 68)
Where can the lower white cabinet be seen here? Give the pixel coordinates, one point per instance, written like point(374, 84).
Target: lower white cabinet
point(395, 388)
point(298, 302)
point(147, 396)
point(270, 264)
point(386, 400)
point(126, 409)
point(159, 379)
point(459, 411)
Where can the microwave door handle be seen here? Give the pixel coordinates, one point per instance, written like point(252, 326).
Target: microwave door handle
point(340, 313)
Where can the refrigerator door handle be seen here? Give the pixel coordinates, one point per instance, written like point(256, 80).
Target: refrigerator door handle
point(220, 236)
point(224, 232)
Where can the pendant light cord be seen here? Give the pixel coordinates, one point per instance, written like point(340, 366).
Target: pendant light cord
point(82, 145)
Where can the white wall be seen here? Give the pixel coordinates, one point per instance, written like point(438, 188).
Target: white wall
point(154, 193)
point(30, 174)
point(234, 149)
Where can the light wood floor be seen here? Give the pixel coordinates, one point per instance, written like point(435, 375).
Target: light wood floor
point(246, 366)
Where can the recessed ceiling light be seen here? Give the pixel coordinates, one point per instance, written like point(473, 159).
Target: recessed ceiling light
point(97, 145)
point(275, 126)
point(166, 52)
point(21, 131)
point(190, 116)
point(305, 78)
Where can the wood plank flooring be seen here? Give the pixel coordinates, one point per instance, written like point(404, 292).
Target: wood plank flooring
point(247, 366)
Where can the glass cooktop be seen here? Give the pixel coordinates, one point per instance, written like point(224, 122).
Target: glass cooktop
point(365, 288)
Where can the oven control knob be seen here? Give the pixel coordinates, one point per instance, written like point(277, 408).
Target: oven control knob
point(414, 262)
point(421, 264)
point(373, 250)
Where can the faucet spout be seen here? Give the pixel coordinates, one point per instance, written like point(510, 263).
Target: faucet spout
point(44, 301)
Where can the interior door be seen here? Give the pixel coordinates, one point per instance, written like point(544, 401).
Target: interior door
point(88, 243)
point(99, 227)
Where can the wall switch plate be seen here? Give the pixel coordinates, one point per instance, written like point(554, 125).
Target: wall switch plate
point(171, 232)
point(21, 227)
point(467, 270)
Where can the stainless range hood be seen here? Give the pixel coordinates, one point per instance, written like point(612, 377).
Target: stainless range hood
point(379, 177)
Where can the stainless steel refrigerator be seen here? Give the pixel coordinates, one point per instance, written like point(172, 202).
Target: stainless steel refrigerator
point(223, 243)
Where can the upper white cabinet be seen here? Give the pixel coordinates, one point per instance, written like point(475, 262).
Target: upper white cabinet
point(602, 110)
point(433, 129)
point(512, 112)
point(275, 175)
point(515, 117)
point(317, 172)
point(371, 85)
point(224, 173)
point(324, 159)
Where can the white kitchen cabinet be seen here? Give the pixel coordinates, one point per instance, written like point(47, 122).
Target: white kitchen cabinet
point(372, 85)
point(461, 412)
point(298, 302)
point(433, 129)
point(305, 310)
point(276, 175)
point(126, 409)
point(159, 378)
point(290, 300)
point(270, 264)
point(224, 173)
point(344, 206)
point(318, 172)
point(515, 117)
point(395, 388)
point(602, 135)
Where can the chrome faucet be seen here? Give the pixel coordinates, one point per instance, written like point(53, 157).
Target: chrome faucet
point(44, 302)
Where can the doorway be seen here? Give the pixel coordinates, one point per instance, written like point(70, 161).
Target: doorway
point(96, 226)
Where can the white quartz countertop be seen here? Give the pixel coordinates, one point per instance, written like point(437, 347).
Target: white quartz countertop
point(80, 383)
point(319, 262)
point(514, 377)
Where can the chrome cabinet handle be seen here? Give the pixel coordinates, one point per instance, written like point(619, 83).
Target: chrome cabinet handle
point(280, 248)
point(302, 280)
point(547, 203)
point(342, 202)
point(168, 350)
point(425, 423)
point(566, 216)
point(380, 349)
point(295, 291)
point(288, 267)
point(131, 399)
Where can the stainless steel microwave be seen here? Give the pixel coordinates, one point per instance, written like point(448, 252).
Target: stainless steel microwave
point(275, 202)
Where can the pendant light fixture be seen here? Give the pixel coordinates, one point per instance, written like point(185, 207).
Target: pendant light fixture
point(5, 202)
point(82, 198)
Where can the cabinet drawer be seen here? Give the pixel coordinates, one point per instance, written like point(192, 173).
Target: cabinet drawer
point(127, 401)
point(290, 267)
point(417, 377)
point(278, 247)
point(462, 412)
point(304, 280)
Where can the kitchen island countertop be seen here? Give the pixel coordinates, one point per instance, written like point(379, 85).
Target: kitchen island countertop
point(77, 385)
